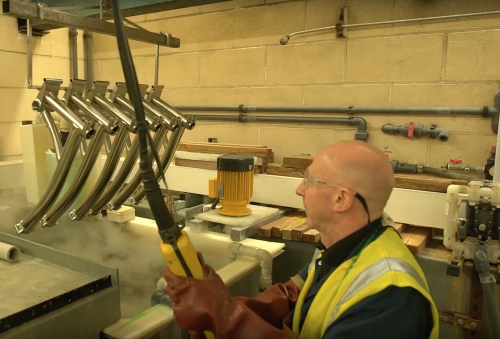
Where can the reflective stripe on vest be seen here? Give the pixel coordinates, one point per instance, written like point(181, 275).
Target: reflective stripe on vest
point(372, 273)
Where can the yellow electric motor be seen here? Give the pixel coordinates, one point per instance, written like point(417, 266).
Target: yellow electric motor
point(233, 185)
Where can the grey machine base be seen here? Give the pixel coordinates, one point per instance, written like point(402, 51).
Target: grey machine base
point(52, 294)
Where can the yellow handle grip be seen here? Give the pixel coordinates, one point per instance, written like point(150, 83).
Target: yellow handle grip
point(190, 257)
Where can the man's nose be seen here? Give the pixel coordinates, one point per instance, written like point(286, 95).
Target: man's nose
point(301, 190)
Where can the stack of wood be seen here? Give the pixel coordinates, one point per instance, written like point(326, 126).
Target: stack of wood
point(415, 238)
point(204, 154)
point(293, 166)
point(294, 227)
point(290, 227)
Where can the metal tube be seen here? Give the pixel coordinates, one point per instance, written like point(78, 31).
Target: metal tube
point(134, 183)
point(350, 110)
point(107, 172)
point(49, 122)
point(62, 109)
point(50, 219)
point(105, 104)
point(88, 58)
point(119, 179)
point(55, 186)
point(74, 58)
point(361, 134)
point(29, 55)
point(109, 124)
point(39, 11)
point(107, 144)
point(157, 64)
point(284, 40)
point(165, 160)
point(127, 105)
point(172, 122)
point(187, 122)
point(83, 147)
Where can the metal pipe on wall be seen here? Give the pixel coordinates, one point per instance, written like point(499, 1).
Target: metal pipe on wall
point(361, 134)
point(88, 58)
point(29, 55)
point(446, 111)
point(73, 33)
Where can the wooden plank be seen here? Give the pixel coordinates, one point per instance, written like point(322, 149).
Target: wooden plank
point(419, 237)
point(286, 233)
point(425, 183)
point(297, 232)
point(226, 144)
point(208, 147)
point(311, 236)
point(399, 227)
point(287, 220)
point(266, 230)
point(297, 161)
point(278, 169)
point(210, 165)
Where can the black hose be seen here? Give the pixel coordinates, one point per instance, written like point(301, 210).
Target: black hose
point(166, 225)
point(214, 203)
point(446, 174)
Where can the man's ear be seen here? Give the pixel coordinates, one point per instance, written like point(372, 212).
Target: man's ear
point(342, 200)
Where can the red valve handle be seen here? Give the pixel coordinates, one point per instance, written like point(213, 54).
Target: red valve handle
point(411, 129)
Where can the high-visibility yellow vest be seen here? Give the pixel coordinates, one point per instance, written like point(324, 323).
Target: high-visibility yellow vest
point(385, 262)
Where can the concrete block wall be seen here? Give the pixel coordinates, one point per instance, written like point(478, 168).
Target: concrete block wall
point(230, 55)
point(50, 59)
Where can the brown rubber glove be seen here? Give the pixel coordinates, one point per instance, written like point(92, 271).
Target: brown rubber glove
point(275, 303)
point(205, 305)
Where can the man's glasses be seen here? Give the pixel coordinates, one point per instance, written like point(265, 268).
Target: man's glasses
point(311, 182)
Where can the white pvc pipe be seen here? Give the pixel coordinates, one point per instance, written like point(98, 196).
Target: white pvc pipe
point(265, 258)
point(9, 252)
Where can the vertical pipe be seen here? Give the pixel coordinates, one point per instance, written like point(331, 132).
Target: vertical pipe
point(88, 58)
point(496, 174)
point(157, 64)
point(28, 52)
point(73, 33)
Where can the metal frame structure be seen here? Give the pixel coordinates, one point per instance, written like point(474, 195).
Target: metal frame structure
point(40, 11)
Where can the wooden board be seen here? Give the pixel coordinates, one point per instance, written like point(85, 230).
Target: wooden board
point(416, 238)
point(266, 230)
point(311, 236)
point(298, 232)
point(210, 165)
point(265, 153)
point(425, 183)
point(399, 227)
point(278, 169)
point(225, 144)
point(286, 233)
point(276, 231)
point(297, 161)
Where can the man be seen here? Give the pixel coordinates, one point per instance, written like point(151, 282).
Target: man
point(362, 282)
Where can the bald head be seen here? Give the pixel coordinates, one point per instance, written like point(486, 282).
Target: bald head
point(362, 168)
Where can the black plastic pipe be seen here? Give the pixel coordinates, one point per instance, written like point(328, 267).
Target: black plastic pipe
point(361, 134)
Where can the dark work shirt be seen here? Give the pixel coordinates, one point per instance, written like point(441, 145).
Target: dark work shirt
point(374, 316)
